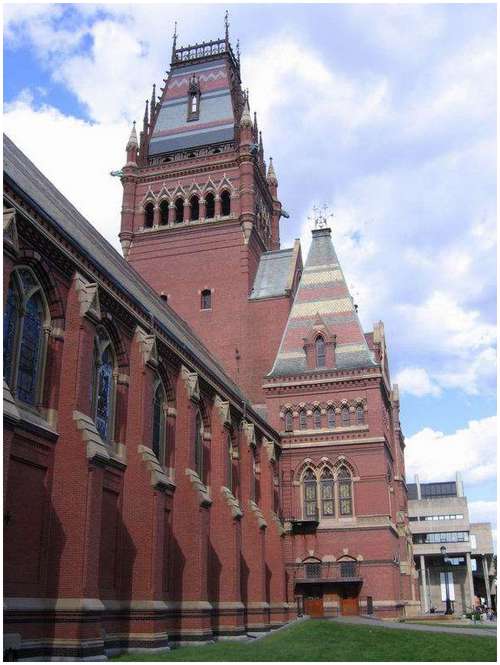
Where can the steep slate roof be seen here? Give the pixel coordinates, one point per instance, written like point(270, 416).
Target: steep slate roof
point(322, 290)
point(272, 274)
point(24, 176)
point(172, 130)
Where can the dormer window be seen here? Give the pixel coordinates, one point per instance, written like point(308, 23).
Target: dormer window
point(320, 352)
point(193, 99)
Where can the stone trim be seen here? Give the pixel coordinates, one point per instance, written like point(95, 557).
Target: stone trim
point(279, 523)
point(249, 432)
point(17, 604)
point(148, 347)
point(88, 296)
point(97, 450)
point(337, 442)
point(159, 479)
point(192, 383)
point(232, 502)
point(258, 514)
point(270, 449)
point(10, 235)
point(199, 488)
point(10, 410)
point(224, 410)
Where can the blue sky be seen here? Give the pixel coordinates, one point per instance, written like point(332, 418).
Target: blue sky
point(384, 112)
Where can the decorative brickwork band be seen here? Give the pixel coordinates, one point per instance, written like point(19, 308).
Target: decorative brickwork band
point(88, 295)
point(159, 479)
point(232, 502)
point(191, 382)
point(199, 487)
point(148, 347)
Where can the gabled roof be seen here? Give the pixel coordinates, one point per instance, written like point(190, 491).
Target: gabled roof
point(322, 291)
point(272, 274)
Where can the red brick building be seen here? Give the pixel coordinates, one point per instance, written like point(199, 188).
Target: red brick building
point(199, 439)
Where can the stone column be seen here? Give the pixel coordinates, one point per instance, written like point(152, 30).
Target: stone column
point(469, 579)
point(187, 210)
point(203, 209)
point(487, 581)
point(156, 216)
point(423, 577)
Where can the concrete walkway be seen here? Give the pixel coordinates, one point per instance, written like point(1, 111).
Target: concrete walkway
point(394, 625)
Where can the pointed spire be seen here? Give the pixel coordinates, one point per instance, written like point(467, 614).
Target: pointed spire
point(174, 42)
point(226, 25)
point(132, 141)
point(271, 175)
point(255, 126)
point(246, 120)
point(153, 103)
point(146, 116)
point(238, 51)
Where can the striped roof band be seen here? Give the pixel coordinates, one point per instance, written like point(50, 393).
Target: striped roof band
point(320, 307)
point(321, 277)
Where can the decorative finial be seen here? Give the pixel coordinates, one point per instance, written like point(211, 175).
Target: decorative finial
point(174, 43)
point(271, 174)
point(152, 107)
point(321, 217)
point(226, 24)
point(132, 141)
point(238, 51)
point(246, 120)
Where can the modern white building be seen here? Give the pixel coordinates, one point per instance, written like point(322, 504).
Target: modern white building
point(454, 557)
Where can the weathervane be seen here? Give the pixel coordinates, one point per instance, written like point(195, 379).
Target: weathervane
point(321, 217)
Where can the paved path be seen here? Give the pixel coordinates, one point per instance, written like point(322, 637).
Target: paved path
point(394, 625)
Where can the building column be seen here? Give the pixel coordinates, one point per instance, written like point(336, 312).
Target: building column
point(469, 579)
point(423, 577)
point(487, 581)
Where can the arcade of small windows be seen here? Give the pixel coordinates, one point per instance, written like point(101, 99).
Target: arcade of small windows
point(26, 326)
point(174, 214)
point(327, 493)
point(333, 419)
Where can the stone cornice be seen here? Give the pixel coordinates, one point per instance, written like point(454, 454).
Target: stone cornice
point(303, 383)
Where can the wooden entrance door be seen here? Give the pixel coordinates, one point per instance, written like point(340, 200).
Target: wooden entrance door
point(349, 605)
point(313, 602)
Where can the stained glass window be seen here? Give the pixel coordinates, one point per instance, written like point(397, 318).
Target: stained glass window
point(331, 417)
point(310, 494)
point(229, 480)
point(24, 343)
point(159, 404)
point(103, 397)
point(198, 445)
point(345, 491)
point(327, 497)
point(288, 421)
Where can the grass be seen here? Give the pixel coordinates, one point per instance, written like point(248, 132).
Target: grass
point(320, 640)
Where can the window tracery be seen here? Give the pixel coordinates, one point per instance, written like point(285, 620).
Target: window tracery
point(103, 398)
point(159, 421)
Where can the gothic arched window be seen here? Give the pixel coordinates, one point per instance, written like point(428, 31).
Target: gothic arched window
point(195, 208)
point(229, 461)
point(210, 206)
point(302, 419)
point(179, 211)
point(149, 215)
point(288, 421)
point(310, 487)
point(346, 416)
point(103, 397)
point(164, 212)
point(320, 352)
point(317, 418)
point(206, 299)
point(360, 414)
point(225, 203)
point(327, 496)
point(345, 491)
point(330, 415)
point(198, 445)
point(25, 317)
point(159, 421)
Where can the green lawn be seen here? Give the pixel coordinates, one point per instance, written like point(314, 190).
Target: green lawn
point(331, 641)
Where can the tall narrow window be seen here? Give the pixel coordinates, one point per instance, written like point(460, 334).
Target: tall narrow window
point(194, 104)
point(310, 495)
point(302, 419)
point(210, 206)
point(206, 299)
point(24, 342)
point(225, 203)
point(198, 446)
point(327, 498)
point(159, 421)
point(345, 491)
point(288, 421)
point(179, 211)
point(320, 352)
point(330, 414)
point(346, 416)
point(103, 393)
point(360, 415)
point(229, 462)
point(164, 212)
point(149, 215)
point(195, 208)
point(317, 418)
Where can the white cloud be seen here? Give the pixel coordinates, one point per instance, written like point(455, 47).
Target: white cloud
point(483, 511)
point(416, 381)
point(471, 451)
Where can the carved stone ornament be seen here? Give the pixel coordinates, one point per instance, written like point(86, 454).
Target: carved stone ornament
point(191, 382)
point(97, 450)
point(199, 487)
point(249, 432)
point(148, 346)
point(159, 479)
point(10, 237)
point(279, 524)
point(224, 410)
point(232, 502)
point(270, 449)
point(258, 514)
point(88, 295)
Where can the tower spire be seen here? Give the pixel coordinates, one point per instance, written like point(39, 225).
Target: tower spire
point(174, 42)
point(226, 25)
point(271, 174)
point(153, 103)
point(132, 141)
point(145, 121)
point(246, 120)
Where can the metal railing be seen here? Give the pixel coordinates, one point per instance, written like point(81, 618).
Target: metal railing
point(314, 572)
